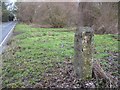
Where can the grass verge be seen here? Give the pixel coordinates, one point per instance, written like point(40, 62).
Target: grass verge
point(33, 51)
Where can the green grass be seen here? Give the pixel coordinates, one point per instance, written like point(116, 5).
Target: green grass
point(36, 50)
point(104, 44)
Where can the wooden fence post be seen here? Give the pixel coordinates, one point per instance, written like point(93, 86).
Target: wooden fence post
point(83, 46)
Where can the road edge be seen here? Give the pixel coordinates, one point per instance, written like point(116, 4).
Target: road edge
point(6, 38)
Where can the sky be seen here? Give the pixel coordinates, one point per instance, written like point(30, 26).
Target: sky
point(9, 0)
point(13, 0)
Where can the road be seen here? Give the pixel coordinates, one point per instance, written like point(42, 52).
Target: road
point(5, 30)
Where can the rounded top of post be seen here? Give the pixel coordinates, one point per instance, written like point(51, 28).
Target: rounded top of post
point(85, 29)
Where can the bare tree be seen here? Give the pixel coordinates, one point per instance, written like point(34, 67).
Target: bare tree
point(107, 20)
point(26, 11)
point(103, 17)
point(55, 14)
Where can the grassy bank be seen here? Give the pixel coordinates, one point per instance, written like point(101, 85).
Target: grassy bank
point(32, 51)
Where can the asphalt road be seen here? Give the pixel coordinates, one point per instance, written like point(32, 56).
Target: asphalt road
point(5, 29)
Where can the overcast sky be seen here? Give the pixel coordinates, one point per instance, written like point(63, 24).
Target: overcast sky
point(8, 0)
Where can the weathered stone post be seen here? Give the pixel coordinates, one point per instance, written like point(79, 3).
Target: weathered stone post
point(83, 46)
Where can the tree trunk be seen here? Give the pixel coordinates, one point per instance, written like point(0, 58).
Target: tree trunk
point(83, 45)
